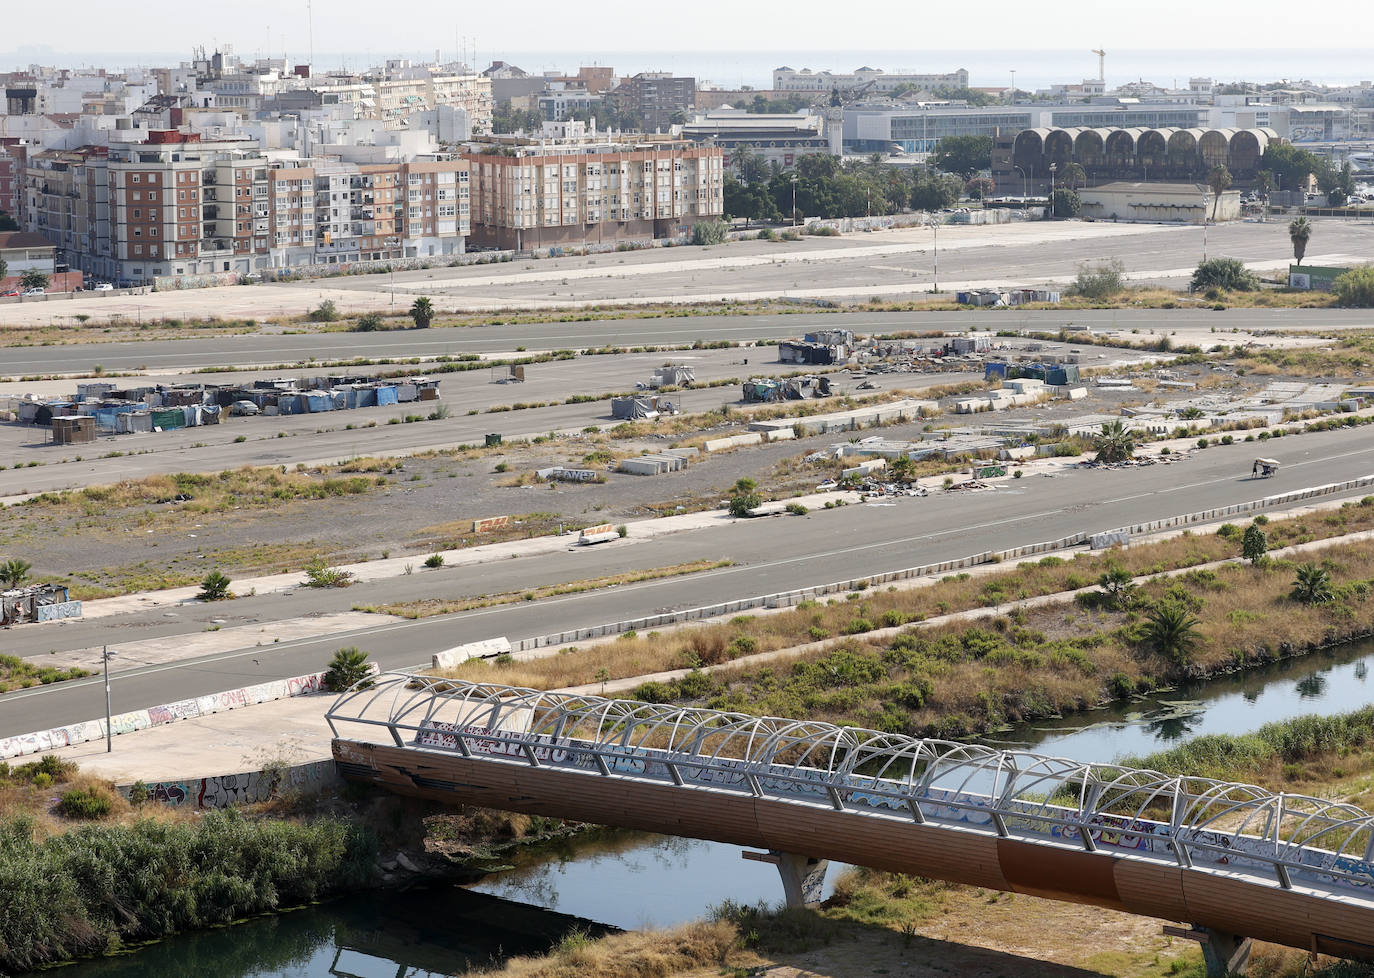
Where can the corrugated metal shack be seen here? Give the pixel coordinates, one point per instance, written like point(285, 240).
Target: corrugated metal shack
point(114, 410)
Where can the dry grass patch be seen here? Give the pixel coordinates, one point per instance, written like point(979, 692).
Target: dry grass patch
point(639, 954)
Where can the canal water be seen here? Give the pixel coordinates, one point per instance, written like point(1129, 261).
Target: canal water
point(634, 880)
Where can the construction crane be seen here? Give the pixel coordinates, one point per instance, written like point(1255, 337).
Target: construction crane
point(1101, 64)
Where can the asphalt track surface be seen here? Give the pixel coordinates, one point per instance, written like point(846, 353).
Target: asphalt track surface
point(1192, 326)
point(771, 555)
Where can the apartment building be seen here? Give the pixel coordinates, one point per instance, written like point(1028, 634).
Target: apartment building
point(656, 98)
point(552, 194)
point(11, 180)
point(66, 200)
point(330, 212)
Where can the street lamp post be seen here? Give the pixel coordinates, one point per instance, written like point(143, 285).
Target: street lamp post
point(105, 656)
point(935, 269)
point(1024, 192)
point(1053, 167)
point(794, 200)
point(1204, 227)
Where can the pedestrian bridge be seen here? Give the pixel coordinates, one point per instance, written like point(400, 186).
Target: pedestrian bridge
point(1232, 860)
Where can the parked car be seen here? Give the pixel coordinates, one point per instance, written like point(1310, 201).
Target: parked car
point(35, 291)
point(104, 287)
point(243, 408)
point(8, 293)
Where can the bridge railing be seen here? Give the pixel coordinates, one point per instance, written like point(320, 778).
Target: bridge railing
point(1013, 793)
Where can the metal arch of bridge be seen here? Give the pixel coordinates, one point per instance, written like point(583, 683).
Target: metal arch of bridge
point(1308, 848)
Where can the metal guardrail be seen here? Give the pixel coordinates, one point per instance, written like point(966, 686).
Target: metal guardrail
point(788, 598)
point(1014, 794)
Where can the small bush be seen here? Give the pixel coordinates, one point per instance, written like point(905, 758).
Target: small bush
point(797, 509)
point(434, 560)
point(215, 587)
point(622, 531)
point(319, 573)
point(325, 312)
point(86, 803)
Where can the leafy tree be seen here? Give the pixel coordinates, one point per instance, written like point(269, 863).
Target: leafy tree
point(1337, 184)
point(34, 279)
point(1218, 178)
point(1264, 186)
point(1118, 587)
point(1072, 175)
point(749, 164)
point(744, 497)
point(933, 191)
point(1223, 273)
point(1065, 203)
point(422, 311)
point(1299, 232)
point(1115, 442)
point(369, 323)
point(902, 468)
point(215, 587)
point(14, 572)
point(1289, 165)
point(349, 667)
point(1355, 288)
point(4, 269)
point(980, 188)
point(1254, 545)
point(1171, 630)
point(954, 93)
point(964, 155)
point(1312, 585)
point(1100, 281)
point(8, 223)
point(750, 201)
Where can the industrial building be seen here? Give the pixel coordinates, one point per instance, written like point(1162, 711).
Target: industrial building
point(1184, 203)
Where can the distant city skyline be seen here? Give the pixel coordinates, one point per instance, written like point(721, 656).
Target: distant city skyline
point(725, 68)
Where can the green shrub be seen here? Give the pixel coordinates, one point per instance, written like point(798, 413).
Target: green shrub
point(434, 560)
point(348, 667)
point(85, 803)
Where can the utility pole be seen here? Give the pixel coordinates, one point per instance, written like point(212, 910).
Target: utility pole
point(105, 655)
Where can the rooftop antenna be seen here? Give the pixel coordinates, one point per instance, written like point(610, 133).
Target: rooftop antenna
point(310, 22)
point(1101, 64)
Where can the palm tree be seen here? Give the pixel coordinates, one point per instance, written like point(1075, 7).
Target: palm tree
point(348, 667)
point(422, 311)
point(1219, 178)
point(1171, 631)
point(1299, 232)
point(1115, 443)
point(14, 571)
point(1313, 585)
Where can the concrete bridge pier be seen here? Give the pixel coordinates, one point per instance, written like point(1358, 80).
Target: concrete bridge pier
point(1223, 954)
point(803, 877)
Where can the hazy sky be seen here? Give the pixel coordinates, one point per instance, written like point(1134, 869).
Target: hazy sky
point(622, 25)
point(1169, 38)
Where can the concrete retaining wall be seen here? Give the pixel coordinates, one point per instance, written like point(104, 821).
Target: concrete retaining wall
point(472, 650)
point(245, 788)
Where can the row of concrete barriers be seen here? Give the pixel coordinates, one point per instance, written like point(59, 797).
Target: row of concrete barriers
point(787, 599)
point(199, 706)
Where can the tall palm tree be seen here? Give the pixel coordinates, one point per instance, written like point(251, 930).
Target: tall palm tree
point(1072, 175)
point(1171, 631)
point(1115, 443)
point(1299, 232)
point(1218, 178)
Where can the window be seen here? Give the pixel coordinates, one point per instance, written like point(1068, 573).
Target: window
point(134, 177)
point(152, 178)
point(138, 212)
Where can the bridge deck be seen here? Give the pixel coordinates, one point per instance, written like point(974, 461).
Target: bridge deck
point(1233, 858)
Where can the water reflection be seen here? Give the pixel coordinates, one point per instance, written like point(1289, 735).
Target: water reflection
point(1333, 681)
point(426, 932)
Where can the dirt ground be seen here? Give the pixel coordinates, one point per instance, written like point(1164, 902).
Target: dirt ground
point(427, 503)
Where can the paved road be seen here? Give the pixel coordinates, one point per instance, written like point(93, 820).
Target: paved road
point(771, 555)
point(1193, 325)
